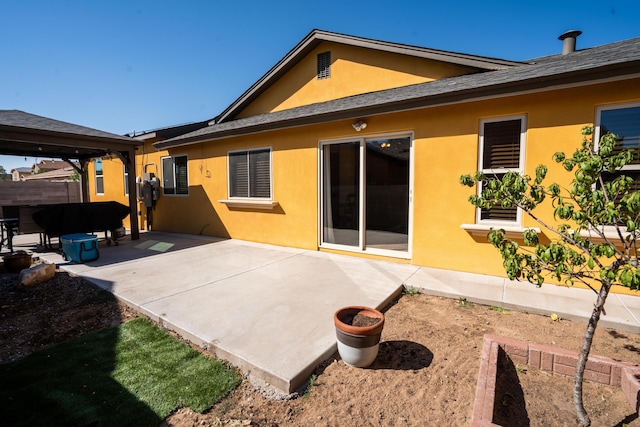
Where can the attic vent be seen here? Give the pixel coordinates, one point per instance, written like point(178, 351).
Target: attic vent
point(324, 65)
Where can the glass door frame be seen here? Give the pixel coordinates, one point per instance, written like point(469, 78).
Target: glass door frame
point(362, 248)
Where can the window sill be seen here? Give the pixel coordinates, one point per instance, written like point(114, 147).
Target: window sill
point(609, 232)
point(512, 231)
point(250, 203)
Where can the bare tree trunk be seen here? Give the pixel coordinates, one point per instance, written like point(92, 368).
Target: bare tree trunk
point(583, 417)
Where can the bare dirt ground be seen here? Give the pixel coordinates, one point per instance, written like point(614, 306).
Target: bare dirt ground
point(425, 373)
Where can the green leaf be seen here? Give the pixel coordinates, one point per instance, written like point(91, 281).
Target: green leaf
point(530, 237)
point(467, 180)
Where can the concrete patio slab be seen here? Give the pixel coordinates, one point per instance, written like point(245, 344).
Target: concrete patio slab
point(269, 309)
point(266, 309)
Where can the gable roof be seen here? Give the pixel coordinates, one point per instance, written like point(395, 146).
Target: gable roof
point(316, 37)
point(21, 169)
point(618, 60)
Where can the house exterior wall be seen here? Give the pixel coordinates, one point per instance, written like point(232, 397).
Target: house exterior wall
point(445, 147)
point(354, 71)
point(292, 223)
point(114, 190)
point(554, 121)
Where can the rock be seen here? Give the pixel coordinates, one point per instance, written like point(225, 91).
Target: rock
point(38, 274)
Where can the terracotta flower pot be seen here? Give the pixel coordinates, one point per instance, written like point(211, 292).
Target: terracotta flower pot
point(17, 262)
point(358, 331)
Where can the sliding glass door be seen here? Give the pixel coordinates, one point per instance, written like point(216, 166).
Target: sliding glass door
point(366, 194)
point(341, 194)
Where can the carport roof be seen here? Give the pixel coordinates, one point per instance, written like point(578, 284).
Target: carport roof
point(25, 134)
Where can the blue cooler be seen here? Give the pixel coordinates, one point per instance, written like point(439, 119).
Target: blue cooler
point(80, 247)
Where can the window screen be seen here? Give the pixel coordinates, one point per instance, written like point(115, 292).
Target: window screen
point(501, 145)
point(624, 122)
point(501, 142)
point(250, 174)
point(174, 175)
point(99, 177)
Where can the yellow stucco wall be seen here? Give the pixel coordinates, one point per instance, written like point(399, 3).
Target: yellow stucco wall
point(354, 71)
point(445, 147)
point(289, 224)
point(114, 184)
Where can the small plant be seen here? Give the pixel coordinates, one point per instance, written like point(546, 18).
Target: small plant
point(462, 301)
point(555, 318)
point(312, 382)
point(499, 309)
point(521, 369)
point(411, 291)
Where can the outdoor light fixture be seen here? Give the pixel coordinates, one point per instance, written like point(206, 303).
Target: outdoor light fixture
point(359, 125)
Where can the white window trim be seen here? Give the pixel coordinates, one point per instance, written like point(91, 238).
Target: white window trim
point(175, 186)
point(361, 244)
point(511, 231)
point(95, 172)
point(254, 202)
point(250, 203)
point(488, 224)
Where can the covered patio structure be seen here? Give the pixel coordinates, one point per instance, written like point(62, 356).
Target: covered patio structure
point(25, 134)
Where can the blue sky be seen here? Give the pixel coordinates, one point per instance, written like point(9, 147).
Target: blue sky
point(135, 65)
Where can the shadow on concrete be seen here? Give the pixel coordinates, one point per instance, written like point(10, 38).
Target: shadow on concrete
point(150, 244)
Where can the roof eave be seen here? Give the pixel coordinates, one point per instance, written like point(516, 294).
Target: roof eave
point(28, 135)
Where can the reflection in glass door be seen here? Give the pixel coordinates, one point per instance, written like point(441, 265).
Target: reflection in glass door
point(341, 180)
point(387, 194)
point(365, 195)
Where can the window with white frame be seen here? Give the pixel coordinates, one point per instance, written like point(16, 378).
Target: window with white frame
point(501, 150)
point(250, 174)
point(99, 177)
point(624, 121)
point(174, 175)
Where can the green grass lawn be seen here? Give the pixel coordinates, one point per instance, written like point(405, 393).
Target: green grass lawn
point(135, 374)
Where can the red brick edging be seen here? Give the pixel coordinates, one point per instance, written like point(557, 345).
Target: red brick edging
point(549, 359)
